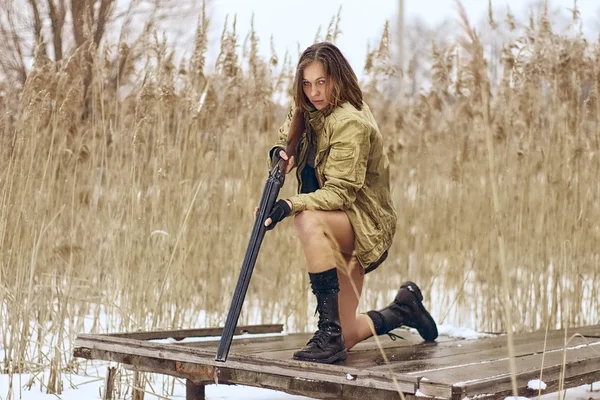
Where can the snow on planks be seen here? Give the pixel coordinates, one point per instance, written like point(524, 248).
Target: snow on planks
point(449, 368)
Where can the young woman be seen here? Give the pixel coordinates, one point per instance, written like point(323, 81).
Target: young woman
point(344, 189)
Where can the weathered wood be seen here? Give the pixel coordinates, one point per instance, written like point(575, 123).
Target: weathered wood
point(139, 382)
point(587, 331)
point(109, 383)
point(242, 340)
point(491, 377)
point(414, 355)
point(449, 368)
point(551, 387)
point(436, 356)
point(369, 352)
point(180, 334)
point(194, 391)
point(306, 370)
point(407, 339)
point(202, 375)
point(249, 346)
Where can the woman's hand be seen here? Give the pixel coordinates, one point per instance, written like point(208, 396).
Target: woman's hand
point(282, 155)
point(279, 212)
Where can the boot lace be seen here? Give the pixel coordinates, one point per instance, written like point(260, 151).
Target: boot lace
point(393, 336)
point(321, 336)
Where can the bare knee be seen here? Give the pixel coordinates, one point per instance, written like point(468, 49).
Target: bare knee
point(307, 225)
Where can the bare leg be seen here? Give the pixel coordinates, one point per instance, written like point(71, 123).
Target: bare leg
point(311, 227)
point(355, 327)
point(319, 251)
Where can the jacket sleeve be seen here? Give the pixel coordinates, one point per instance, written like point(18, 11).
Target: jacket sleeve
point(282, 136)
point(344, 171)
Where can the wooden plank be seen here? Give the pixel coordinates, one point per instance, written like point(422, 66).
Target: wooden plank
point(318, 372)
point(432, 356)
point(259, 345)
point(366, 350)
point(480, 378)
point(576, 365)
point(443, 348)
point(180, 334)
point(237, 340)
point(355, 359)
point(551, 387)
point(282, 347)
point(592, 332)
point(407, 339)
point(203, 375)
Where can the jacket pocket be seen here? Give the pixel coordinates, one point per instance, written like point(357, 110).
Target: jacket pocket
point(342, 162)
point(342, 153)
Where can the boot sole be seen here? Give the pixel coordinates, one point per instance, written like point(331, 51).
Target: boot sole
point(417, 293)
point(341, 356)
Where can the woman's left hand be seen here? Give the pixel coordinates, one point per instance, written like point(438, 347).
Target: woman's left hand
point(281, 209)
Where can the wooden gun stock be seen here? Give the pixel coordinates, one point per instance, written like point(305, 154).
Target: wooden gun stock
point(297, 127)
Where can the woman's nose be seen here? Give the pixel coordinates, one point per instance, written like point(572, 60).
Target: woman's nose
point(314, 92)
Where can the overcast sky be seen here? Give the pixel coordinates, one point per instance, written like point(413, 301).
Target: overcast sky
point(292, 22)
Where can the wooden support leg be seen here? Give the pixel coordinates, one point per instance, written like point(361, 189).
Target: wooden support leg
point(194, 391)
point(138, 386)
point(109, 383)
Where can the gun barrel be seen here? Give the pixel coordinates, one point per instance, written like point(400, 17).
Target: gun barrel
point(269, 196)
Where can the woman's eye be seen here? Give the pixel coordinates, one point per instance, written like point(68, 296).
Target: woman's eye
point(321, 82)
point(306, 83)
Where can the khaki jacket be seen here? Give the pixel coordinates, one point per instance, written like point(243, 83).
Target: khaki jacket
point(353, 174)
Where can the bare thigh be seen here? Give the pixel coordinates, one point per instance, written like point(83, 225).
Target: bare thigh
point(323, 235)
point(309, 227)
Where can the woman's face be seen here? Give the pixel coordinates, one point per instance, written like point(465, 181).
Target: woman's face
point(316, 85)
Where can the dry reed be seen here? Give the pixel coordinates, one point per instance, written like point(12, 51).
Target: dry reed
point(128, 205)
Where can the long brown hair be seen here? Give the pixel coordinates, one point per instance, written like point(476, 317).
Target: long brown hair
point(339, 73)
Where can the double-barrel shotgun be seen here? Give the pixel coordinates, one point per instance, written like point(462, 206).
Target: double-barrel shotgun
point(274, 183)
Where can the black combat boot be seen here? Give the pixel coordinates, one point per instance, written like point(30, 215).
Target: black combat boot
point(327, 345)
point(406, 309)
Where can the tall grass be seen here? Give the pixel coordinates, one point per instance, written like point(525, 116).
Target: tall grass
point(126, 200)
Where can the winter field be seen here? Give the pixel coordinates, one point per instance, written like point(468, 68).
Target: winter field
point(128, 176)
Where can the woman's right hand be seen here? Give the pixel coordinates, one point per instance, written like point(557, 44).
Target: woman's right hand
point(289, 162)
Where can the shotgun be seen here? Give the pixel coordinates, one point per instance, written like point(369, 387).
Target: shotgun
point(271, 190)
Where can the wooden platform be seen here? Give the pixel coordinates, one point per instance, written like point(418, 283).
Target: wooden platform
point(448, 368)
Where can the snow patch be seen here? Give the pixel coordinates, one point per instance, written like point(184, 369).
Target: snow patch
point(516, 398)
point(536, 384)
point(460, 333)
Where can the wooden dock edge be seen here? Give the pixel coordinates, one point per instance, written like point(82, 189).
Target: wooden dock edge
point(201, 369)
point(551, 387)
point(576, 374)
